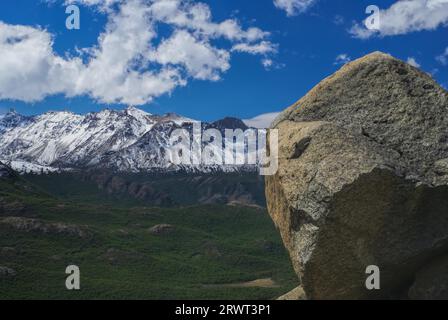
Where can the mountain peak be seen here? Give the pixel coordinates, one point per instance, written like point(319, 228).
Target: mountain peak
point(11, 119)
point(11, 111)
point(132, 109)
point(230, 123)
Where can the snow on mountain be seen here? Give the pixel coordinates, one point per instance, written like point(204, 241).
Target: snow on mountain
point(27, 167)
point(130, 140)
point(67, 139)
point(12, 119)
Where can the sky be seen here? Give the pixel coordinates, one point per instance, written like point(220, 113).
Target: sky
point(202, 59)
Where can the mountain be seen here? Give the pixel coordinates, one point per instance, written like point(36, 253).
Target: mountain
point(229, 123)
point(12, 119)
point(6, 172)
point(130, 140)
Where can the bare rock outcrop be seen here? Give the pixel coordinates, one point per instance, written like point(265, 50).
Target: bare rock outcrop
point(6, 272)
point(6, 172)
point(161, 229)
point(40, 226)
point(362, 179)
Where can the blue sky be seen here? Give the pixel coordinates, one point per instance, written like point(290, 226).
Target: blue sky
point(302, 49)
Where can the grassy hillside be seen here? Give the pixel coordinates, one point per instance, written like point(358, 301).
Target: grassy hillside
point(208, 253)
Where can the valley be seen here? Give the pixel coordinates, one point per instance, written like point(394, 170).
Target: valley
point(49, 222)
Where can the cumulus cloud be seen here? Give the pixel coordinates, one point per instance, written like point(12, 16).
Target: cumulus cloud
point(342, 58)
point(406, 16)
point(294, 7)
point(130, 64)
point(199, 58)
point(443, 58)
point(413, 62)
point(29, 69)
point(262, 121)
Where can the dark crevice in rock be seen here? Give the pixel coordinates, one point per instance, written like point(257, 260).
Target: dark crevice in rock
point(299, 218)
point(300, 147)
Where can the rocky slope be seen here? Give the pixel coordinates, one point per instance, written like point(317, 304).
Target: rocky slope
point(5, 171)
point(363, 180)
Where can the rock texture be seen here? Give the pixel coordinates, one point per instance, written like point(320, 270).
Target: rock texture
point(6, 172)
point(6, 272)
point(295, 294)
point(431, 283)
point(362, 179)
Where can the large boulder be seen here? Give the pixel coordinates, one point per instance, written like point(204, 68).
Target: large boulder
point(431, 282)
point(362, 179)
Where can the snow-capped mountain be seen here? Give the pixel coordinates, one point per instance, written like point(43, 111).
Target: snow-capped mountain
point(12, 119)
point(130, 140)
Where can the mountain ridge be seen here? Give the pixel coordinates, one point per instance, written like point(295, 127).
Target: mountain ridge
point(129, 140)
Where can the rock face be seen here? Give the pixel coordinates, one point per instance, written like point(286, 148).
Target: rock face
point(431, 283)
point(362, 180)
point(6, 272)
point(6, 172)
point(295, 294)
point(161, 229)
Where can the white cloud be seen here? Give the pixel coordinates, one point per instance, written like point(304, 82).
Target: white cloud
point(413, 62)
point(197, 17)
point(294, 7)
point(342, 58)
point(103, 4)
point(130, 63)
point(443, 58)
point(263, 47)
point(267, 63)
point(407, 16)
point(262, 121)
point(199, 58)
point(29, 69)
